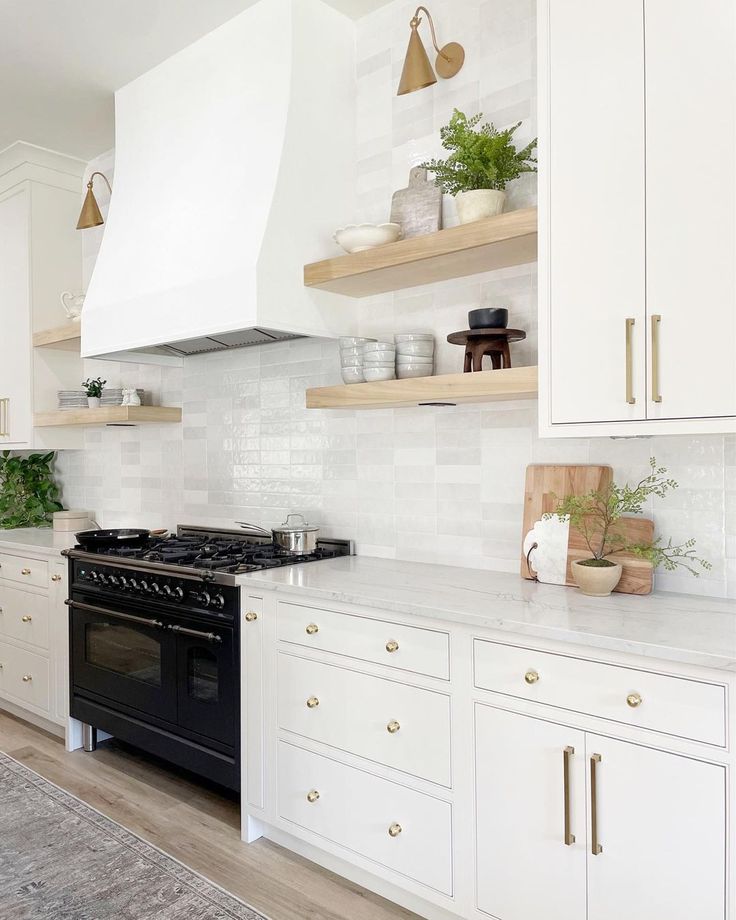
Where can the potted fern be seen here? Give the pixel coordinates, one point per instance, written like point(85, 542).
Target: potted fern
point(483, 161)
point(93, 387)
point(596, 514)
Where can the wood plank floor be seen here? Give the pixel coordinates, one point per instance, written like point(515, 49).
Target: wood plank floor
point(195, 824)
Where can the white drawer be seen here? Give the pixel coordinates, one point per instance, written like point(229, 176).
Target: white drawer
point(673, 705)
point(356, 809)
point(24, 676)
point(25, 616)
point(411, 648)
point(353, 712)
point(26, 571)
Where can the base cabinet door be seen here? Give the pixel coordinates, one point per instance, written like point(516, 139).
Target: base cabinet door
point(530, 833)
point(660, 834)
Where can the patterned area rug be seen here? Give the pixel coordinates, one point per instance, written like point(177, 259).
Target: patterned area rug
point(62, 860)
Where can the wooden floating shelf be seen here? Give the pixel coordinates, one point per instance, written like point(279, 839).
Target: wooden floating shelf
point(481, 246)
point(481, 386)
point(67, 337)
point(107, 415)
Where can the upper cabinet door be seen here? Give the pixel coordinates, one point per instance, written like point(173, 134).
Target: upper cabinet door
point(691, 207)
point(593, 172)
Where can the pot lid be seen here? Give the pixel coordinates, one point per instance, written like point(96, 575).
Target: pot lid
point(294, 523)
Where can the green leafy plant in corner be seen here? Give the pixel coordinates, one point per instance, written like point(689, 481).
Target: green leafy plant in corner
point(28, 493)
point(597, 514)
point(481, 157)
point(94, 386)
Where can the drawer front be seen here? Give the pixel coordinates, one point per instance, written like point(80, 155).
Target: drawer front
point(24, 676)
point(25, 571)
point(673, 705)
point(25, 616)
point(406, 728)
point(355, 810)
point(410, 648)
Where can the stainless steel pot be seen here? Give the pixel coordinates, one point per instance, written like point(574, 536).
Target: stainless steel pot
point(295, 535)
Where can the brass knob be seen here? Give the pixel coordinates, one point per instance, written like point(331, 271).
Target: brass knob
point(312, 629)
point(634, 700)
point(250, 616)
point(312, 702)
point(25, 571)
point(392, 645)
point(312, 795)
point(56, 578)
point(392, 727)
point(26, 619)
point(27, 678)
point(531, 676)
point(394, 830)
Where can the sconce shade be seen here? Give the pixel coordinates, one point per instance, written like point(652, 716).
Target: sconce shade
point(90, 215)
point(417, 72)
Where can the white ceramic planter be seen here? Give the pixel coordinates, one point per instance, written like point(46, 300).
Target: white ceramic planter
point(480, 203)
point(93, 402)
point(596, 581)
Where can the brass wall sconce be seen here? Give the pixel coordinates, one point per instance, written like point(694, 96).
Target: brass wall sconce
point(90, 215)
point(417, 72)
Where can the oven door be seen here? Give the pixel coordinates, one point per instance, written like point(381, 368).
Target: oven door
point(124, 656)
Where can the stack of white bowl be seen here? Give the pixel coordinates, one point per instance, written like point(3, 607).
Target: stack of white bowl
point(379, 361)
point(351, 358)
point(414, 354)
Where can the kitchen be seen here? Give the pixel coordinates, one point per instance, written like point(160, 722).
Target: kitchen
point(432, 500)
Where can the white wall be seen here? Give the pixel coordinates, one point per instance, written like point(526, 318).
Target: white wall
point(426, 484)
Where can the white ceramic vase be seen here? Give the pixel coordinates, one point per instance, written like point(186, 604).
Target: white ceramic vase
point(479, 203)
point(93, 402)
point(596, 581)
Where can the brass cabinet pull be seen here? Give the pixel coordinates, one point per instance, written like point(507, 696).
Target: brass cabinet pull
point(250, 616)
point(312, 629)
point(630, 398)
point(392, 645)
point(27, 678)
point(312, 795)
point(25, 571)
point(4, 413)
point(392, 727)
point(26, 619)
point(595, 848)
point(634, 700)
point(394, 830)
point(312, 702)
point(56, 578)
point(531, 676)
point(656, 395)
point(566, 758)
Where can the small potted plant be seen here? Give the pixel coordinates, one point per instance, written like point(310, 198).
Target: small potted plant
point(93, 387)
point(596, 514)
point(482, 162)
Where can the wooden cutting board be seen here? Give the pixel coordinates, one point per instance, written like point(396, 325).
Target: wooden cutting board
point(546, 484)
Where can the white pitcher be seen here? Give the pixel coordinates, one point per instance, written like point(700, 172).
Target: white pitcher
point(72, 304)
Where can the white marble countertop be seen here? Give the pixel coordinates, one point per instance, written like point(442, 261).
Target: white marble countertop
point(682, 628)
point(43, 540)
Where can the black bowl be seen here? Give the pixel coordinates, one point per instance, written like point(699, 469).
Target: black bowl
point(488, 318)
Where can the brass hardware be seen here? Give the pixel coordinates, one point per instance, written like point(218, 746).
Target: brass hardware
point(90, 215)
point(312, 795)
point(634, 700)
point(417, 71)
point(595, 848)
point(250, 616)
point(567, 753)
point(395, 830)
point(656, 395)
point(392, 645)
point(27, 678)
point(26, 619)
point(312, 629)
point(56, 578)
point(630, 398)
point(25, 571)
point(4, 413)
point(392, 727)
point(531, 676)
point(312, 702)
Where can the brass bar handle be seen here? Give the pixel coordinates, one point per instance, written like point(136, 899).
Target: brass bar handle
point(4, 412)
point(630, 398)
point(656, 395)
point(567, 754)
point(595, 848)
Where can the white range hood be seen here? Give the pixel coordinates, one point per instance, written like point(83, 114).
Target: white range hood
point(234, 163)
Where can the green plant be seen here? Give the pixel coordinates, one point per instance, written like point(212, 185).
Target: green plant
point(28, 493)
point(596, 514)
point(94, 387)
point(482, 158)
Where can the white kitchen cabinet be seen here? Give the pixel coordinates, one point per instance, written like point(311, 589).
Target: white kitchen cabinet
point(637, 232)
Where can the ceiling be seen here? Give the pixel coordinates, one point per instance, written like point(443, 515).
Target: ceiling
point(62, 60)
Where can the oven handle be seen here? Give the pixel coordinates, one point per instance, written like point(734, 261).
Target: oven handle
point(183, 631)
point(155, 624)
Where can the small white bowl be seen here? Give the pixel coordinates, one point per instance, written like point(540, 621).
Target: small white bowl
point(357, 237)
point(381, 364)
point(352, 341)
point(414, 337)
point(352, 361)
point(356, 352)
point(353, 375)
point(413, 359)
point(415, 349)
point(403, 371)
point(379, 373)
point(378, 346)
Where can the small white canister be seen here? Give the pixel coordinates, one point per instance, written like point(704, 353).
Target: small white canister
point(72, 521)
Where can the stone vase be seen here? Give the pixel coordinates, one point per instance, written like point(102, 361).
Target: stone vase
point(93, 402)
point(596, 581)
point(479, 203)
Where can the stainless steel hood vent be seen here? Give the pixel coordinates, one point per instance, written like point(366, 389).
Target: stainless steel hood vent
point(222, 341)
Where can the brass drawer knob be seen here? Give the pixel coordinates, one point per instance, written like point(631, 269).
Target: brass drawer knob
point(312, 702)
point(312, 629)
point(393, 726)
point(633, 700)
point(392, 645)
point(27, 678)
point(312, 795)
point(250, 616)
point(56, 578)
point(25, 571)
point(394, 830)
point(531, 676)
point(26, 619)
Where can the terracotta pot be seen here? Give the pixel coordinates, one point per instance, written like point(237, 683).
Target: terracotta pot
point(479, 203)
point(596, 581)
